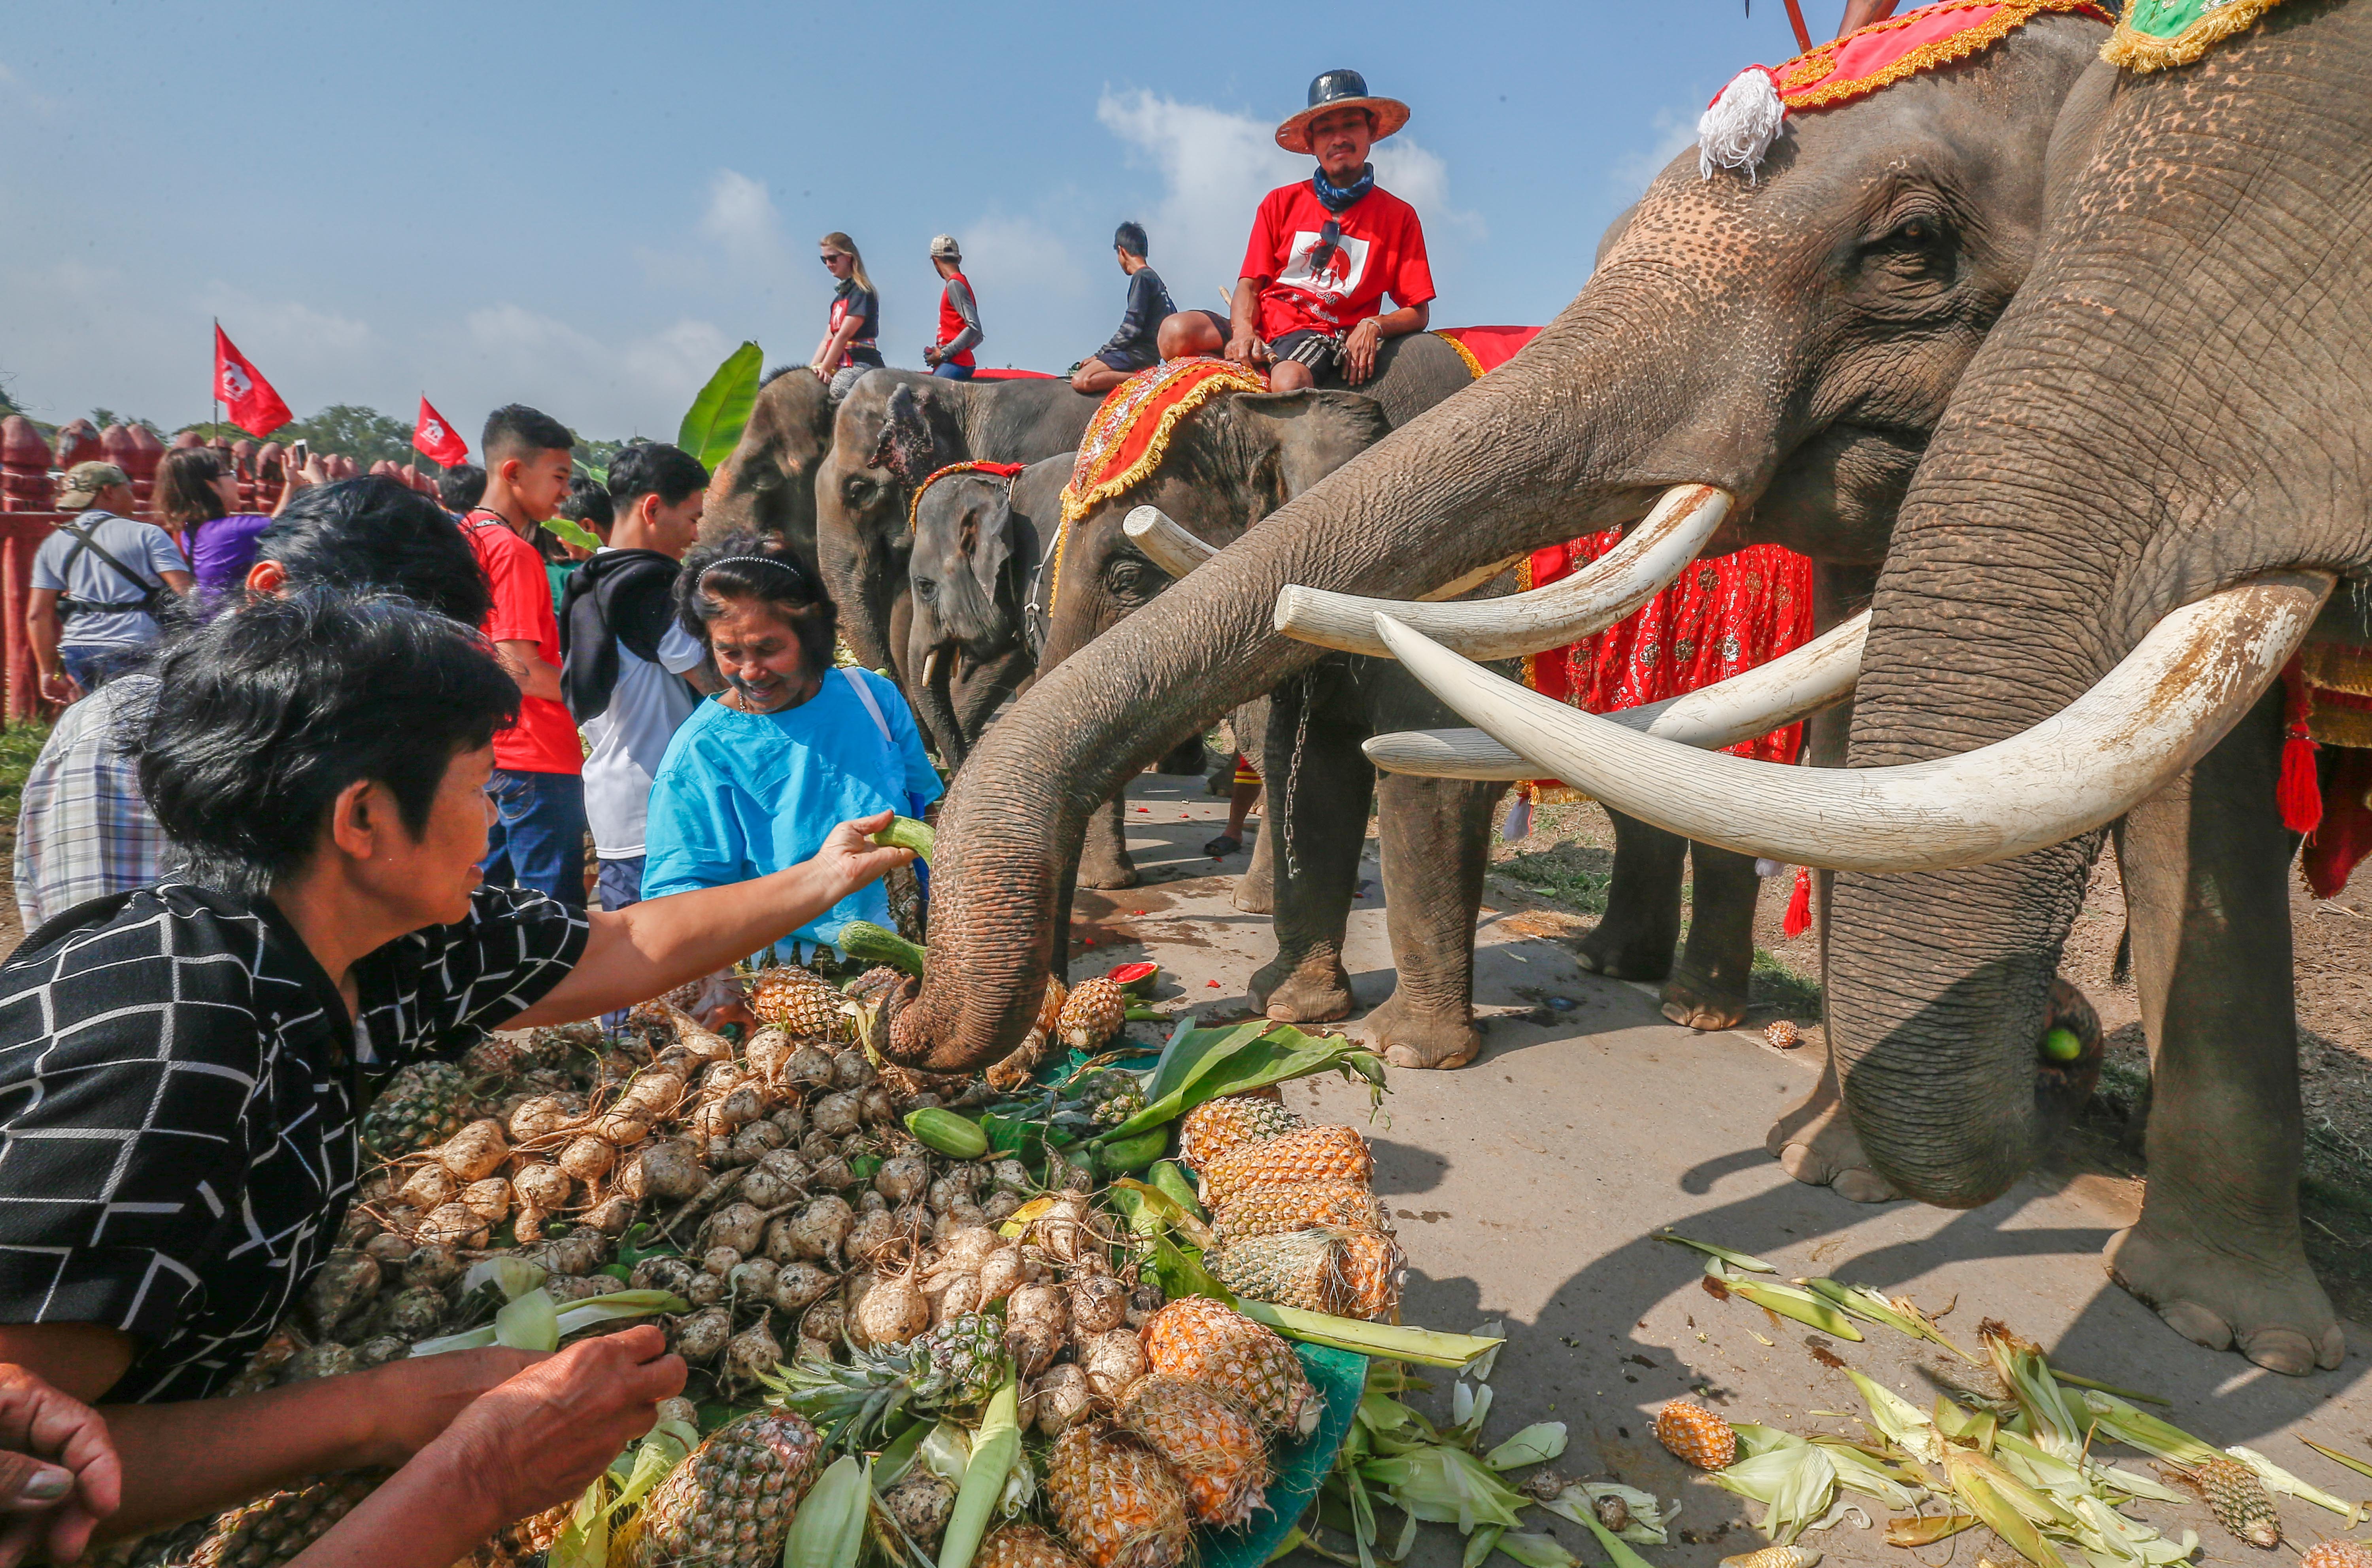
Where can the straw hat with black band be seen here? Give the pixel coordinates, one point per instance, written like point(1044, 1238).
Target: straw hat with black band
point(1340, 89)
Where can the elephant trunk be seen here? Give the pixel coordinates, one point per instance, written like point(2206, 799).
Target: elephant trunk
point(1452, 491)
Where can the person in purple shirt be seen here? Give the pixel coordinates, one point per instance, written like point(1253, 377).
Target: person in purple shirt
point(196, 495)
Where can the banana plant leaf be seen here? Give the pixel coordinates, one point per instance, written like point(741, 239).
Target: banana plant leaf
point(712, 426)
point(1338, 1377)
point(1232, 1061)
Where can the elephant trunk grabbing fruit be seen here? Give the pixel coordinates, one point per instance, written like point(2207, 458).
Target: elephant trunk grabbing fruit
point(1791, 342)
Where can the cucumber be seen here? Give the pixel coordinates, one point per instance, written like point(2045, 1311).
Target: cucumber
point(874, 944)
point(944, 1132)
point(1168, 1179)
point(1134, 1154)
point(904, 832)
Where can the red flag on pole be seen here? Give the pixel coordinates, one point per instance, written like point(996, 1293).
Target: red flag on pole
point(254, 407)
point(435, 438)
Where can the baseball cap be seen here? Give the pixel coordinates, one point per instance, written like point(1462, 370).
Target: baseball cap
point(85, 481)
point(944, 249)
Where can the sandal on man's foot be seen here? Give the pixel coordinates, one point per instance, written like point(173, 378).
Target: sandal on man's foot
point(1221, 847)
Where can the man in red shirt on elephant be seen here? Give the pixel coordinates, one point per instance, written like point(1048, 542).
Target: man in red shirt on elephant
point(1323, 253)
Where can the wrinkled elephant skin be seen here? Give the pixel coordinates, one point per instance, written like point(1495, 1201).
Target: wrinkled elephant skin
point(2138, 431)
point(1792, 341)
point(767, 485)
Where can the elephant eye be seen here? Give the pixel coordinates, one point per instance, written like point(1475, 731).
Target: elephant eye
point(926, 589)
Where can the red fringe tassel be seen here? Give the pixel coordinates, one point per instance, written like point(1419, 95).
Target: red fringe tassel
point(1799, 905)
point(2298, 793)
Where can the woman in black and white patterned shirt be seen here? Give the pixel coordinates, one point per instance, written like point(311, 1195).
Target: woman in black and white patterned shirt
point(177, 1065)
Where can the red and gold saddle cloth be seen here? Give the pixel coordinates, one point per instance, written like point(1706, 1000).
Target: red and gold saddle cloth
point(2326, 763)
point(1883, 53)
point(1125, 440)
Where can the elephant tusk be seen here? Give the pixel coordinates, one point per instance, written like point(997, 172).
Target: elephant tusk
point(1164, 542)
point(1591, 599)
point(930, 664)
point(2172, 698)
point(1821, 672)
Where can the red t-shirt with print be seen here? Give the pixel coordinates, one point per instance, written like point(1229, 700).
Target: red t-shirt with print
point(544, 739)
point(1381, 251)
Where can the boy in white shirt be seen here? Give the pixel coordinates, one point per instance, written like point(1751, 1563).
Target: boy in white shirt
point(628, 672)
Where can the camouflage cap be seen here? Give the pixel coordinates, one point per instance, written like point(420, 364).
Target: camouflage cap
point(944, 249)
point(85, 481)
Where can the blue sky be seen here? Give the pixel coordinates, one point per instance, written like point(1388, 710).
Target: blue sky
point(586, 207)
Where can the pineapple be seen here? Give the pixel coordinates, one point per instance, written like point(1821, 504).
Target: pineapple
point(275, 1528)
point(1219, 1125)
point(1195, 1336)
point(422, 1105)
point(2336, 1554)
point(1308, 1154)
point(1115, 1500)
point(1350, 1273)
point(1024, 1546)
point(536, 1533)
point(1049, 1005)
point(798, 1004)
point(960, 1361)
point(2239, 1501)
point(1696, 1434)
point(1267, 1210)
point(1092, 1014)
point(495, 1058)
point(1209, 1443)
point(730, 1503)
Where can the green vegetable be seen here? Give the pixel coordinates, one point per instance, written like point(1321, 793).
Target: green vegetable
point(1201, 1064)
point(1168, 1180)
point(579, 1315)
point(712, 427)
point(944, 1132)
point(2061, 1045)
point(876, 944)
point(829, 1528)
point(1135, 1154)
point(528, 1322)
point(994, 1446)
point(904, 832)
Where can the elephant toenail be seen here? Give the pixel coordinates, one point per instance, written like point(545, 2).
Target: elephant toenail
point(2284, 1351)
point(2197, 1324)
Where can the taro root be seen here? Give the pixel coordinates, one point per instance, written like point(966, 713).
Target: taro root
point(451, 1224)
point(1032, 1344)
point(720, 1260)
point(870, 1201)
point(1059, 1398)
point(966, 1249)
point(893, 1311)
point(389, 1251)
point(920, 1502)
point(755, 1142)
point(705, 1290)
point(750, 1355)
point(826, 1321)
point(722, 1079)
point(741, 1107)
point(799, 1285)
point(588, 1158)
point(776, 1178)
point(792, 1119)
point(832, 1175)
point(536, 1117)
point(1112, 1361)
point(962, 1216)
point(664, 1274)
point(1000, 1207)
point(768, 1050)
point(670, 1173)
point(434, 1264)
point(545, 1187)
point(904, 1178)
point(738, 1225)
point(329, 1360)
point(413, 1313)
point(873, 1231)
point(1099, 1303)
point(428, 1187)
point(835, 1115)
point(959, 1296)
point(699, 1337)
point(1011, 1176)
point(611, 1215)
point(817, 1230)
point(346, 1282)
point(380, 1351)
point(810, 1067)
point(620, 1128)
point(489, 1200)
point(475, 1152)
point(753, 1280)
point(877, 1106)
point(851, 1071)
point(1047, 1304)
point(1001, 1271)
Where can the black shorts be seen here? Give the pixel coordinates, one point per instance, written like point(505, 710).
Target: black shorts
point(1126, 363)
point(1320, 353)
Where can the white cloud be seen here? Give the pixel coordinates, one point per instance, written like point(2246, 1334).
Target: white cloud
point(638, 383)
point(1675, 132)
point(741, 221)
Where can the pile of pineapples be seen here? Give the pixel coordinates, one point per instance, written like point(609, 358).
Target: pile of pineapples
point(1294, 1221)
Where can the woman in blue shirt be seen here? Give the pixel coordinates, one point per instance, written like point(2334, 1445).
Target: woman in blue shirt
point(762, 772)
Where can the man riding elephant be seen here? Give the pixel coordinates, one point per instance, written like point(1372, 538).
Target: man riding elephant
point(1323, 253)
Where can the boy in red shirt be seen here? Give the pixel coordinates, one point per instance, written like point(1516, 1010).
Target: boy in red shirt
point(537, 838)
point(1324, 251)
point(951, 353)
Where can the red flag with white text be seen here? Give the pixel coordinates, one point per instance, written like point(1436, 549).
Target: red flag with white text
point(253, 406)
point(435, 438)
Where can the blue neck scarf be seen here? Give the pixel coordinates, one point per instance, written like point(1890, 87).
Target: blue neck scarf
point(1334, 198)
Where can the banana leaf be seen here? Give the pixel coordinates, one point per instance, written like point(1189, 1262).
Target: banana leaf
point(1276, 1054)
point(712, 426)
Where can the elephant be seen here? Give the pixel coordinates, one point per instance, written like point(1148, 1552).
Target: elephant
point(767, 484)
point(866, 485)
point(2138, 448)
point(974, 555)
point(1790, 341)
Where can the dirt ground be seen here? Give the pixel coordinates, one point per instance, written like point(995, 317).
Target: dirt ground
point(1560, 873)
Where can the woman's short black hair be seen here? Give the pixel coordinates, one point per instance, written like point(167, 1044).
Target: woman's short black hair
point(277, 706)
point(375, 535)
point(764, 568)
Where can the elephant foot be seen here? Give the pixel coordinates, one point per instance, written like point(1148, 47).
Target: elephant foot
point(1815, 1144)
point(1624, 954)
point(1317, 991)
point(1107, 875)
point(1410, 1038)
point(1701, 1002)
point(1254, 894)
point(2275, 1313)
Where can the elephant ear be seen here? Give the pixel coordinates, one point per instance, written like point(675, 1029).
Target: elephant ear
point(907, 447)
point(988, 540)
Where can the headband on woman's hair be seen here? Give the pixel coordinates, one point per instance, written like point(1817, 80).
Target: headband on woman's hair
point(793, 567)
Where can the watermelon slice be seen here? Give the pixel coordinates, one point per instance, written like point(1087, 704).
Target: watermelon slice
point(1135, 978)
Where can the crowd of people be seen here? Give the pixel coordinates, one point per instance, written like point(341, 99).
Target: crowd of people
point(319, 804)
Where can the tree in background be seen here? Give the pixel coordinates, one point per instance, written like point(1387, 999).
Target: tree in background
point(103, 417)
